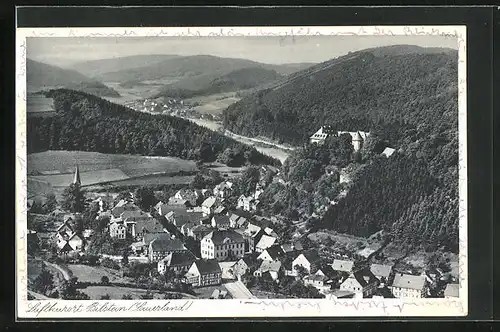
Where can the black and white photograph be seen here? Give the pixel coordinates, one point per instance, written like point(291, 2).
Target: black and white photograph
point(173, 169)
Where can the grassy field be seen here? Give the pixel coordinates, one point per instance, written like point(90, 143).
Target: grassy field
point(130, 165)
point(155, 180)
point(116, 292)
point(87, 178)
point(87, 273)
point(213, 104)
point(38, 103)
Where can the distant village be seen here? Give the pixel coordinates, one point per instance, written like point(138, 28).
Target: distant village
point(236, 252)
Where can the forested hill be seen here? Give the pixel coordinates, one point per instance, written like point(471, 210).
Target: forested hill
point(353, 92)
point(219, 82)
point(190, 66)
point(88, 123)
point(41, 75)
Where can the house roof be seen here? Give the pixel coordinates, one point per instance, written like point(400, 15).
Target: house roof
point(187, 217)
point(208, 266)
point(179, 258)
point(298, 246)
point(221, 236)
point(166, 245)
point(409, 281)
point(247, 260)
point(187, 194)
point(274, 252)
point(134, 214)
point(219, 209)
point(287, 247)
point(224, 185)
point(242, 213)
point(316, 277)
point(201, 229)
point(266, 241)
point(159, 204)
point(149, 226)
point(452, 290)
point(149, 237)
point(209, 202)
point(381, 270)
point(66, 223)
point(366, 252)
point(252, 229)
point(270, 266)
point(364, 277)
point(327, 270)
point(221, 220)
point(176, 201)
point(312, 256)
point(388, 151)
point(342, 265)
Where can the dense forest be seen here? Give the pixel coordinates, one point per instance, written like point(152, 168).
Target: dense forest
point(407, 101)
point(88, 123)
point(353, 92)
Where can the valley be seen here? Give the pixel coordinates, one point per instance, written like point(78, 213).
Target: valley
point(341, 163)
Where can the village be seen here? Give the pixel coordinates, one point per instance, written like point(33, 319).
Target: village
point(207, 243)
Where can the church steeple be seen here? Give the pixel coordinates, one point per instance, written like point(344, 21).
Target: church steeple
point(76, 179)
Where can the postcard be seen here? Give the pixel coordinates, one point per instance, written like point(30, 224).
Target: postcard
point(220, 172)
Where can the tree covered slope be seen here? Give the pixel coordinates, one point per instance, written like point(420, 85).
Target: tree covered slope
point(352, 92)
point(41, 75)
point(191, 66)
point(87, 123)
point(220, 82)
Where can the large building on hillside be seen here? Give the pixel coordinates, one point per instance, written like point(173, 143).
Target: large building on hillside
point(358, 137)
point(222, 244)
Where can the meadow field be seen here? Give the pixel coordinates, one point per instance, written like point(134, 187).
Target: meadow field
point(93, 274)
point(97, 169)
point(60, 162)
point(39, 104)
point(213, 104)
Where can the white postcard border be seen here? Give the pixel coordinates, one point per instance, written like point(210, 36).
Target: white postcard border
point(64, 309)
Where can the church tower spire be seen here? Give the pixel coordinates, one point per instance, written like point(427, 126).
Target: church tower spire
point(76, 179)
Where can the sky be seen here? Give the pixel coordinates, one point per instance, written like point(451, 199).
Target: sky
point(65, 51)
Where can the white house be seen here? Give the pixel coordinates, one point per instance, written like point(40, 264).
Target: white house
point(178, 262)
point(388, 152)
point(223, 189)
point(272, 253)
point(117, 230)
point(309, 261)
point(204, 273)
point(362, 283)
point(247, 203)
point(322, 134)
point(271, 267)
point(208, 206)
point(222, 244)
point(408, 286)
point(319, 281)
point(382, 272)
point(341, 265)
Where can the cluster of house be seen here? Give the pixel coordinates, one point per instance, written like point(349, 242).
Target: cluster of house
point(67, 239)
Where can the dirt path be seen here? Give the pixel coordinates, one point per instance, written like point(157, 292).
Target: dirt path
point(63, 272)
